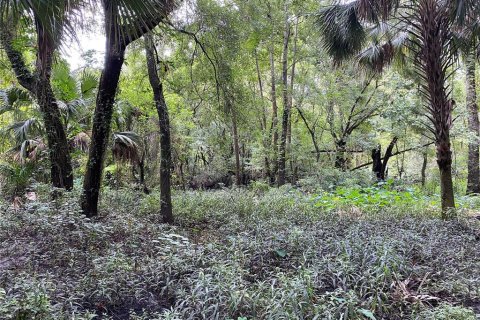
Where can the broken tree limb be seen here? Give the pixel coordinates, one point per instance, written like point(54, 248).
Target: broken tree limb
point(394, 154)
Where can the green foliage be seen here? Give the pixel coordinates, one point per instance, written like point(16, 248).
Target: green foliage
point(448, 312)
point(15, 178)
point(233, 254)
point(372, 198)
point(28, 299)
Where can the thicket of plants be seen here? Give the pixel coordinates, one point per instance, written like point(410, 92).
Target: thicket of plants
point(260, 253)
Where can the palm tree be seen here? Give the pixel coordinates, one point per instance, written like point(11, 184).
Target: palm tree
point(51, 22)
point(425, 27)
point(124, 21)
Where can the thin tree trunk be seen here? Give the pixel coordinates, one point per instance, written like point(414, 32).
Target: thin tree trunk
point(286, 104)
point(274, 127)
point(377, 162)
point(386, 157)
point(473, 180)
point(164, 125)
point(236, 147)
point(264, 119)
point(290, 100)
point(424, 167)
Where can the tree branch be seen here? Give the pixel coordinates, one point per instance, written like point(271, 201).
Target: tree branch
point(23, 74)
point(394, 154)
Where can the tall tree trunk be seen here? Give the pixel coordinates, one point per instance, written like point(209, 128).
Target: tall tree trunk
point(290, 98)
point(236, 147)
point(39, 85)
point(114, 58)
point(473, 180)
point(433, 61)
point(118, 38)
point(60, 160)
point(286, 104)
point(274, 126)
point(266, 160)
point(164, 124)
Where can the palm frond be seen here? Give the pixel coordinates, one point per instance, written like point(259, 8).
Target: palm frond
point(13, 98)
point(127, 146)
point(29, 149)
point(22, 130)
point(342, 32)
point(88, 83)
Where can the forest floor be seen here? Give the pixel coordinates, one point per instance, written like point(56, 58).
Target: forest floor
point(238, 254)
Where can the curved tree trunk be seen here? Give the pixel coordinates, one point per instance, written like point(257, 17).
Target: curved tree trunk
point(38, 83)
point(101, 127)
point(61, 174)
point(473, 180)
point(164, 124)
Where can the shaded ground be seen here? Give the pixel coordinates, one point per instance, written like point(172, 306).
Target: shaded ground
point(270, 255)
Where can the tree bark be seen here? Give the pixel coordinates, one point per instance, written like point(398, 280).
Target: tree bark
point(444, 161)
point(107, 88)
point(118, 36)
point(286, 104)
point(164, 125)
point(101, 127)
point(380, 164)
point(433, 33)
point(266, 160)
point(39, 85)
point(340, 155)
point(473, 180)
point(424, 167)
point(274, 126)
point(236, 147)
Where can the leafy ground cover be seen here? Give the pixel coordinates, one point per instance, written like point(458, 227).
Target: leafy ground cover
point(240, 254)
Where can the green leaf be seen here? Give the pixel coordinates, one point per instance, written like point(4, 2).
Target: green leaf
point(281, 253)
point(367, 313)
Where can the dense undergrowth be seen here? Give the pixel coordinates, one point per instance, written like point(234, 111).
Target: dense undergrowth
point(350, 253)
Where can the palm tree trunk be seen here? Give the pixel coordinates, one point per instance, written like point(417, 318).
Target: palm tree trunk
point(286, 104)
point(114, 57)
point(164, 124)
point(432, 32)
point(444, 160)
point(61, 173)
point(473, 180)
point(39, 85)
